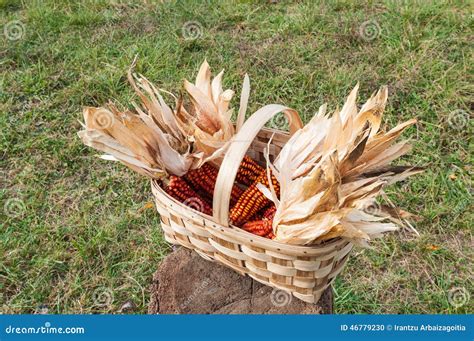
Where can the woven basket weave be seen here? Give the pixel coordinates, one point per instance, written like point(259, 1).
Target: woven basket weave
point(304, 271)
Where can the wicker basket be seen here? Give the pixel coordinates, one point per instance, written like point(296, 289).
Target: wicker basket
point(305, 271)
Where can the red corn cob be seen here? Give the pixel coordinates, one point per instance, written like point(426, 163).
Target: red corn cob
point(204, 195)
point(262, 227)
point(266, 212)
point(270, 235)
point(257, 216)
point(181, 191)
point(269, 213)
point(258, 227)
point(252, 200)
point(204, 179)
point(249, 171)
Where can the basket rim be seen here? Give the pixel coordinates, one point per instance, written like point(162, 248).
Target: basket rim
point(242, 234)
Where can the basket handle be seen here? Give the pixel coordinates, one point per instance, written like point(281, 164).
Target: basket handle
point(236, 152)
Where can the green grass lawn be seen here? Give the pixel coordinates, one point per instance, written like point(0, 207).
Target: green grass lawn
point(75, 237)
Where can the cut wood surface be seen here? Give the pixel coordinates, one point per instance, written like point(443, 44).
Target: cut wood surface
point(185, 283)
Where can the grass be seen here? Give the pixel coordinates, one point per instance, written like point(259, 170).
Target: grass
point(75, 237)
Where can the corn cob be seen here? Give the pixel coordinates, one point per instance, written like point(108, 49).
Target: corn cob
point(204, 179)
point(181, 191)
point(249, 171)
point(261, 224)
point(259, 227)
point(257, 216)
point(202, 194)
point(266, 212)
point(262, 227)
point(252, 200)
point(270, 235)
point(269, 212)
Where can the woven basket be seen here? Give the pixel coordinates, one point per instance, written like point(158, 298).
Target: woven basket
point(304, 271)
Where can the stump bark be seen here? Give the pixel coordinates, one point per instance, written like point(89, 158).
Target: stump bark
point(185, 283)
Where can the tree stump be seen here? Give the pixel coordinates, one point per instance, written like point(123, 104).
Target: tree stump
point(185, 283)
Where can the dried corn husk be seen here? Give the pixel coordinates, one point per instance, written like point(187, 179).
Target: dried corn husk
point(332, 170)
point(208, 120)
point(137, 141)
point(156, 140)
point(149, 140)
